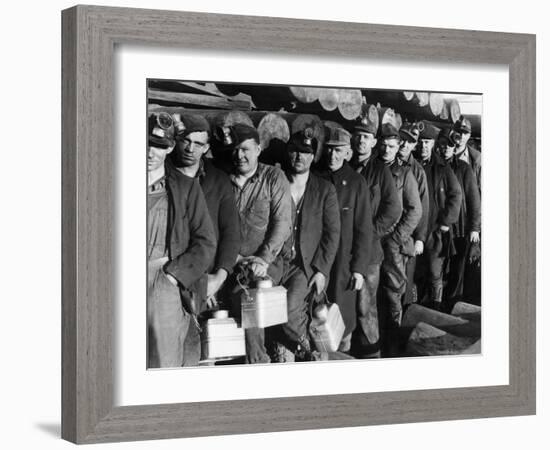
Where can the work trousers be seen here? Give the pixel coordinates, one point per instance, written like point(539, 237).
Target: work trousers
point(429, 277)
point(393, 279)
point(366, 337)
point(167, 320)
point(457, 265)
point(410, 295)
point(294, 332)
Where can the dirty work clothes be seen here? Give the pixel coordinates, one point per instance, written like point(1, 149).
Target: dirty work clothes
point(429, 277)
point(366, 337)
point(170, 226)
point(385, 204)
point(356, 239)
point(472, 157)
point(191, 239)
point(317, 227)
point(157, 210)
point(310, 249)
point(398, 245)
point(216, 187)
point(263, 203)
point(445, 202)
point(411, 207)
point(167, 321)
point(421, 230)
point(294, 332)
point(393, 279)
point(469, 220)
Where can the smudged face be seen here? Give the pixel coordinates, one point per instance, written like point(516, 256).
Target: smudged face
point(462, 138)
point(406, 148)
point(363, 143)
point(300, 162)
point(156, 156)
point(190, 149)
point(426, 149)
point(389, 149)
point(336, 155)
point(446, 149)
point(245, 157)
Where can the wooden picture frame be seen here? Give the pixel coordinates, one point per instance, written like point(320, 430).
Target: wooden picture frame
point(90, 34)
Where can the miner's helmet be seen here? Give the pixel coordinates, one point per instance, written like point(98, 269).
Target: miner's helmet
point(303, 141)
point(161, 130)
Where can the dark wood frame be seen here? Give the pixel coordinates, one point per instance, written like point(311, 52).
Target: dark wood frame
point(89, 36)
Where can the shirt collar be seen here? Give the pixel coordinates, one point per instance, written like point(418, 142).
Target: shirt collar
point(201, 172)
point(257, 174)
point(158, 186)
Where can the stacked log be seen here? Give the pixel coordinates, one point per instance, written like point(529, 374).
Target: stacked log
point(435, 103)
point(387, 115)
point(370, 112)
point(329, 99)
point(306, 94)
point(274, 134)
point(174, 98)
point(423, 98)
point(454, 109)
point(296, 123)
point(427, 340)
point(467, 311)
point(349, 103)
point(452, 324)
point(435, 333)
point(303, 121)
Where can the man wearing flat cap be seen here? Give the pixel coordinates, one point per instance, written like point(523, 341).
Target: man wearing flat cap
point(188, 159)
point(398, 245)
point(466, 231)
point(385, 212)
point(181, 246)
point(356, 238)
point(462, 130)
point(410, 133)
point(311, 248)
point(445, 200)
point(262, 195)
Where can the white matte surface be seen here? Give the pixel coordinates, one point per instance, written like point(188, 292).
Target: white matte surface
point(31, 198)
point(135, 385)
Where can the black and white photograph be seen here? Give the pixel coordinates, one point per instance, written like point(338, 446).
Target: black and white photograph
point(293, 224)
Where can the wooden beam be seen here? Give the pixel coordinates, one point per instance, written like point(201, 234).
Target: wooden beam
point(209, 101)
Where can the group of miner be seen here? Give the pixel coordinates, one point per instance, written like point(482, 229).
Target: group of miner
point(373, 220)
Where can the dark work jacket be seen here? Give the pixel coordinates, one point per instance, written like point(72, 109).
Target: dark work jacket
point(191, 235)
point(356, 237)
point(475, 164)
point(445, 201)
point(385, 204)
point(319, 226)
point(421, 230)
point(407, 190)
point(469, 218)
point(220, 200)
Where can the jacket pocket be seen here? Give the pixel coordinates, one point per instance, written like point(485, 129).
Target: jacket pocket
point(258, 216)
